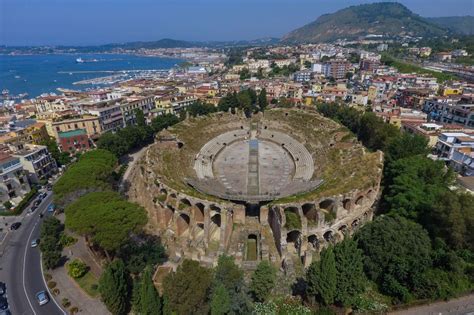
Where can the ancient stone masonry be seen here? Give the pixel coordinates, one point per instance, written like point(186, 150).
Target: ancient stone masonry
point(279, 187)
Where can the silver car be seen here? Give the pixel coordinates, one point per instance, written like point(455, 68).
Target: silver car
point(42, 297)
point(35, 242)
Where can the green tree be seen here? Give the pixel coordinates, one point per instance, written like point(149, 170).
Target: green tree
point(199, 108)
point(244, 74)
point(112, 142)
point(140, 118)
point(263, 281)
point(220, 301)
point(262, 99)
point(350, 272)
point(187, 290)
point(231, 277)
point(414, 184)
point(105, 219)
point(406, 145)
point(164, 121)
point(397, 252)
point(113, 287)
point(322, 278)
point(150, 303)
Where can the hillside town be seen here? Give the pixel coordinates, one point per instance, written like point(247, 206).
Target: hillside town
point(305, 75)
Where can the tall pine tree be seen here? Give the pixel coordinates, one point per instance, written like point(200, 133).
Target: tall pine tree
point(113, 287)
point(150, 303)
point(220, 301)
point(322, 276)
point(350, 272)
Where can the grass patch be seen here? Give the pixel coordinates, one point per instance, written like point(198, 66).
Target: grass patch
point(293, 220)
point(89, 284)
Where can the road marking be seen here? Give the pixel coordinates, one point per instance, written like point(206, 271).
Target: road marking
point(46, 285)
point(24, 268)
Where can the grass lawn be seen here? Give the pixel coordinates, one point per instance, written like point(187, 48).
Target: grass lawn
point(89, 283)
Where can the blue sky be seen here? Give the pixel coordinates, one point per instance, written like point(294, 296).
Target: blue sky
point(82, 22)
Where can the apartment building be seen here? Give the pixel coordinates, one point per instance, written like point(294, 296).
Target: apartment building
point(36, 161)
point(13, 181)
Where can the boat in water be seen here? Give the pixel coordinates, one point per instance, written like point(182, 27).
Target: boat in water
point(79, 60)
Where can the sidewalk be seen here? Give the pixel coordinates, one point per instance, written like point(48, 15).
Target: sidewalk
point(69, 288)
point(459, 306)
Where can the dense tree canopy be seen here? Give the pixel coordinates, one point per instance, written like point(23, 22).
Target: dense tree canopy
point(263, 281)
point(106, 219)
point(114, 288)
point(397, 252)
point(187, 290)
point(322, 278)
point(91, 173)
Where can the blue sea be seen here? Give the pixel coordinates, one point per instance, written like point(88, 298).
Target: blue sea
point(37, 74)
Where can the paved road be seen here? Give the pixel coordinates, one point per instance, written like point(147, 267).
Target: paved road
point(21, 266)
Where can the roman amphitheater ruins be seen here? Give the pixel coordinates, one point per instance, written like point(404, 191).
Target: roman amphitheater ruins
point(279, 186)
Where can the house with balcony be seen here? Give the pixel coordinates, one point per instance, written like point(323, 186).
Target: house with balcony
point(36, 161)
point(13, 180)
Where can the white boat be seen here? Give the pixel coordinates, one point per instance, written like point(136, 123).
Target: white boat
point(79, 60)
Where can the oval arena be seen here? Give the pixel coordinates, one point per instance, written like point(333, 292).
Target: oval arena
point(279, 186)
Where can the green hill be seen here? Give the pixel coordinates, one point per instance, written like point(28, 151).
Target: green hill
point(385, 18)
point(463, 25)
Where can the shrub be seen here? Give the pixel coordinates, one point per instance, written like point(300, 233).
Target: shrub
point(47, 276)
point(73, 310)
point(65, 302)
point(67, 240)
point(51, 284)
point(56, 291)
point(77, 268)
point(292, 220)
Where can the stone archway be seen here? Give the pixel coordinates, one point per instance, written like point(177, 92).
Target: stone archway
point(327, 204)
point(293, 220)
point(314, 241)
point(168, 213)
point(328, 236)
point(252, 248)
point(293, 241)
point(310, 212)
point(347, 204)
point(199, 212)
point(182, 224)
point(359, 201)
point(215, 227)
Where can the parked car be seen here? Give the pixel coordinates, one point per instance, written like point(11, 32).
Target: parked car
point(51, 208)
point(37, 202)
point(49, 188)
point(33, 208)
point(42, 298)
point(15, 226)
point(3, 288)
point(3, 303)
point(5, 312)
point(35, 242)
point(43, 195)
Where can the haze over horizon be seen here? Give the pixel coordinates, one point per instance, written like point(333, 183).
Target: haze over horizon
point(93, 22)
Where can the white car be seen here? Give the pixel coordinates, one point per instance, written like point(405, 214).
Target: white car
point(35, 242)
point(42, 297)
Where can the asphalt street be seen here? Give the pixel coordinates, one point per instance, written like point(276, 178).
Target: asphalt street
point(20, 266)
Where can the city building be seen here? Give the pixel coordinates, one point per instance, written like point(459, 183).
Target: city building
point(74, 141)
point(36, 161)
point(13, 181)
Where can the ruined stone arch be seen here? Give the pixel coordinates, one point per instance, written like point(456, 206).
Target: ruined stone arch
point(215, 227)
point(328, 235)
point(182, 224)
point(360, 200)
point(314, 241)
point(355, 223)
point(184, 203)
point(347, 204)
point(310, 212)
point(370, 193)
point(180, 144)
point(327, 204)
point(168, 213)
point(252, 247)
point(293, 241)
point(163, 191)
point(215, 208)
point(199, 212)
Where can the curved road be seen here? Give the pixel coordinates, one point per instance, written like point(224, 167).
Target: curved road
point(21, 266)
